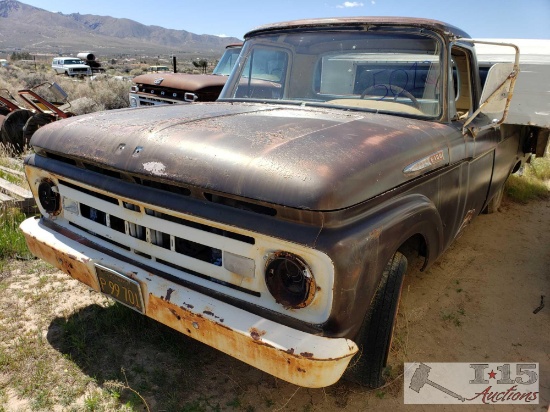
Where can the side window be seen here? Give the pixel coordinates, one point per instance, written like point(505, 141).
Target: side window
point(462, 81)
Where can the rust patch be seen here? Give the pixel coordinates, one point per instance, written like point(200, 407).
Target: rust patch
point(301, 370)
point(375, 234)
point(168, 294)
point(187, 305)
point(252, 351)
point(210, 313)
point(178, 317)
point(66, 262)
point(257, 334)
point(290, 351)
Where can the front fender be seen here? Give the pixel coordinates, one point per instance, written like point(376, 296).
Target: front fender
point(360, 251)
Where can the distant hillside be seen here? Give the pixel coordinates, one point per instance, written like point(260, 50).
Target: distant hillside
point(36, 30)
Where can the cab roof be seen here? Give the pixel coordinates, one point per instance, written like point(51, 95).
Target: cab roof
point(444, 29)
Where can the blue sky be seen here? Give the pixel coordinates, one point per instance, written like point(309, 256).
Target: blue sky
point(519, 19)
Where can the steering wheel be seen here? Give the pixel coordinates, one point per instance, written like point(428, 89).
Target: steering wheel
point(390, 89)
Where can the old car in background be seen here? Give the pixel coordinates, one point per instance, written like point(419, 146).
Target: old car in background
point(169, 88)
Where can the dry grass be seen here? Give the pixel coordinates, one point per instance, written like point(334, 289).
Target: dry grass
point(105, 92)
point(533, 183)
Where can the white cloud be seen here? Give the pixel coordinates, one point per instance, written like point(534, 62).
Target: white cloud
point(349, 4)
point(222, 35)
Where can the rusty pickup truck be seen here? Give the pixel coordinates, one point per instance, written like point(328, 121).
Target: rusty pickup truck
point(276, 224)
point(154, 89)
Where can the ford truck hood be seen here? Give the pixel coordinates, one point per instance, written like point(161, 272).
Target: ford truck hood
point(301, 157)
point(183, 81)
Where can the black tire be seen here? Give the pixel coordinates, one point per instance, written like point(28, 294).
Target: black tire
point(494, 204)
point(34, 123)
point(11, 132)
point(375, 336)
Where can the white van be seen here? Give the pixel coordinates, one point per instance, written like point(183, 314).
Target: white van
point(71, 66)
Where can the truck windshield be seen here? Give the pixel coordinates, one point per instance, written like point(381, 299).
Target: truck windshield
point(228, 60)
point(387, 71)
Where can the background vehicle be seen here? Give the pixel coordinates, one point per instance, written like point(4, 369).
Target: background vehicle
point(170, 88)
point(158, 69)
point(276, 224)
point(70, 66)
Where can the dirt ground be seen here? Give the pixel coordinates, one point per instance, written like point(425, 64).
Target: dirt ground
point(475, 304)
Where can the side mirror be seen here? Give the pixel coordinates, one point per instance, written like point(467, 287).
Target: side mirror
point(497, 91)
point(495, 97)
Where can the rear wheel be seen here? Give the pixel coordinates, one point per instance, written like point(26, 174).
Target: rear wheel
point(11, 132)
point(494, 204)
point(34, 123)
point(375, 336)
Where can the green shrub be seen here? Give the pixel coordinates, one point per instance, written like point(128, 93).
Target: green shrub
point(533, 183)
point(540, 167)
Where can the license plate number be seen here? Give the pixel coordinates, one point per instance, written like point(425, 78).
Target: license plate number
point(121, 288)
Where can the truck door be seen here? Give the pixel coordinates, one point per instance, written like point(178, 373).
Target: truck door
point(479, 150)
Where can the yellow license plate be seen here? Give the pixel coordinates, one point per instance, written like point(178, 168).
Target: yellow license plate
point(121, 288)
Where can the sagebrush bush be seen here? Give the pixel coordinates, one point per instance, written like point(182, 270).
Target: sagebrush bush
point(85, 105)
point(532, 183)
point(84, 95)
point(103, 92)
point(541, 167)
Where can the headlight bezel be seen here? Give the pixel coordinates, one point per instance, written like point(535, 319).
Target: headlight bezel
point(289, 279)
point(47, 195)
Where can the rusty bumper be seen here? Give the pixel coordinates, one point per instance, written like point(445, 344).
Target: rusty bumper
point(294, 356)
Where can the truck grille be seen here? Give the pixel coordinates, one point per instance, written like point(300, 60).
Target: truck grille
point(190, 246)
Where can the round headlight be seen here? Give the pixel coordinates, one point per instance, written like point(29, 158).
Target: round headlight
point(48, 197)
point(289, 280)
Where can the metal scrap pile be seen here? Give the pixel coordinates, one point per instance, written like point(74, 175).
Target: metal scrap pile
point(19, 122)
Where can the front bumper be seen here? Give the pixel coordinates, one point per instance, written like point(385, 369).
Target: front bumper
point(294, 356)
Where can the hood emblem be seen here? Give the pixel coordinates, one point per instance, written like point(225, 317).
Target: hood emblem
point(425, 163)
point(158, 81)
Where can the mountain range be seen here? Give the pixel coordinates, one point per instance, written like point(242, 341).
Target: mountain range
point(35, 30)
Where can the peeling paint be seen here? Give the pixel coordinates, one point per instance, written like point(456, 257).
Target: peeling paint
point(155, 168)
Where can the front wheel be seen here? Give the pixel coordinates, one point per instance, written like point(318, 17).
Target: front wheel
point(375, 336)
